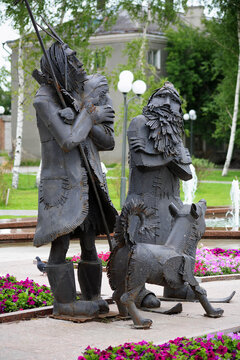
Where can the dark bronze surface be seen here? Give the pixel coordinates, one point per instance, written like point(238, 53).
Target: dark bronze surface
point(73, 195)
point(156, 235)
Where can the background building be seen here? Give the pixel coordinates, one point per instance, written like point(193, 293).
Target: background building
point(122, 32)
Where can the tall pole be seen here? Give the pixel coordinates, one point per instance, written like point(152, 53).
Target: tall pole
point(191, 136)
point(123, 176)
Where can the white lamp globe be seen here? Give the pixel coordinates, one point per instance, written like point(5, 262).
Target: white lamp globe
point(124, 86)
point(192, 114)
point(139, 87)
point(126, 75)
point(2, 109)
point(186, 117)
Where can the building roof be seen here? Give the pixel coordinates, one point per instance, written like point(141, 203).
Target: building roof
point(124, 24)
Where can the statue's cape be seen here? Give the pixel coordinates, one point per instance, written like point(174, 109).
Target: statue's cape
point(64, 189)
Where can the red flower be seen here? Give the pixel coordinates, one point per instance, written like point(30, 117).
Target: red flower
point(222, 350)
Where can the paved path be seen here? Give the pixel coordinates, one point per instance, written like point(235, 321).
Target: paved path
point(18, 213)
point(215, 182)
point(50, 339)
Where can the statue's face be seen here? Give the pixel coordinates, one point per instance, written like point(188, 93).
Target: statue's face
point(76, 72)
point(167, 100)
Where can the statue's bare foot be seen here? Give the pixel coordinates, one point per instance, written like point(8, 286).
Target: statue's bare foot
point(150, 301)
point(144, 324)
point(215, 313)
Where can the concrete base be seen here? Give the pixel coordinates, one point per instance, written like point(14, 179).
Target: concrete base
point(51, 339)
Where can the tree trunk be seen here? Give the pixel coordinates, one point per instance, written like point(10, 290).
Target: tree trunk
point(19, 129)
point(142, 53)
point(235, 111)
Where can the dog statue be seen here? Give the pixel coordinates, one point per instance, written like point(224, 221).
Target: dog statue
point(133, 264)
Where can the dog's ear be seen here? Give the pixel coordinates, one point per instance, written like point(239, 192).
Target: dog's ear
point(193, 211)
point(173, 209)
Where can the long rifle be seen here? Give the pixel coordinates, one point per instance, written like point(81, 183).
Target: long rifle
point(58, 90)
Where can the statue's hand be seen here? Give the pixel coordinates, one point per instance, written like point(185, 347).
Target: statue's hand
point(137, 144)
point(101, 114)
point(68, 115)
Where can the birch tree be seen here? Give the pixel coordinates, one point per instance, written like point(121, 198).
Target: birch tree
point(225, 32)
point(20, 117)
point(235, 110)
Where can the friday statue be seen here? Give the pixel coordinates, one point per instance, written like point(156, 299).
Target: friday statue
point(158, 159)
point(156, 236)
point(68, 206)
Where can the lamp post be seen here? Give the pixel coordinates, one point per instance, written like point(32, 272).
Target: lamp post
point(139, 87)
point(192, 116)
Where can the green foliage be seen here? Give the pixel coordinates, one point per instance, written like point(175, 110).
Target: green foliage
point(141, 70)
point(202, 166)
point(5, 93)
point(162, 11)
point(224, 33)
point(191, 67)
point(30, 162)
point(83, 18)
point(19, 15)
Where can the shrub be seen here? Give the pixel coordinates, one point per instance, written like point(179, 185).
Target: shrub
point(30, 162)
point(202, 166)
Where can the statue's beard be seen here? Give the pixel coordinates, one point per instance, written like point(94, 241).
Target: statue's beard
point(165, 129)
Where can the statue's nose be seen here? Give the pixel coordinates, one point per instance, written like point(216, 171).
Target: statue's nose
point(167, 100)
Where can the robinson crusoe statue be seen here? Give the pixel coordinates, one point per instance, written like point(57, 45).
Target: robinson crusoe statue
point(68, 207)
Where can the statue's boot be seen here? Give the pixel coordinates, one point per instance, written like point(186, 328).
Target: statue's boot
point(147, 299)
point(90, 279)
point(62, 282)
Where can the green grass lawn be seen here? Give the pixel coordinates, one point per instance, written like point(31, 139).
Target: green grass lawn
point(216, 175)
point(214, 194)
point(26, 196)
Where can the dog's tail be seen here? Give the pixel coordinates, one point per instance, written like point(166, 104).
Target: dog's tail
point(132, 222)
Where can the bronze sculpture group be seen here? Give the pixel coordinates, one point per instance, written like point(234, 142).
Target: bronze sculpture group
point(155, 235)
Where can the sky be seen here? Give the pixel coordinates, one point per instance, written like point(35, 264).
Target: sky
point(6, 33)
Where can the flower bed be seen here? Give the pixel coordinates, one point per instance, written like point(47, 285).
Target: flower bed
point(204, 348)
point(19, 295)
point(103, 256)
point(208, 261)
point(217, 262)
